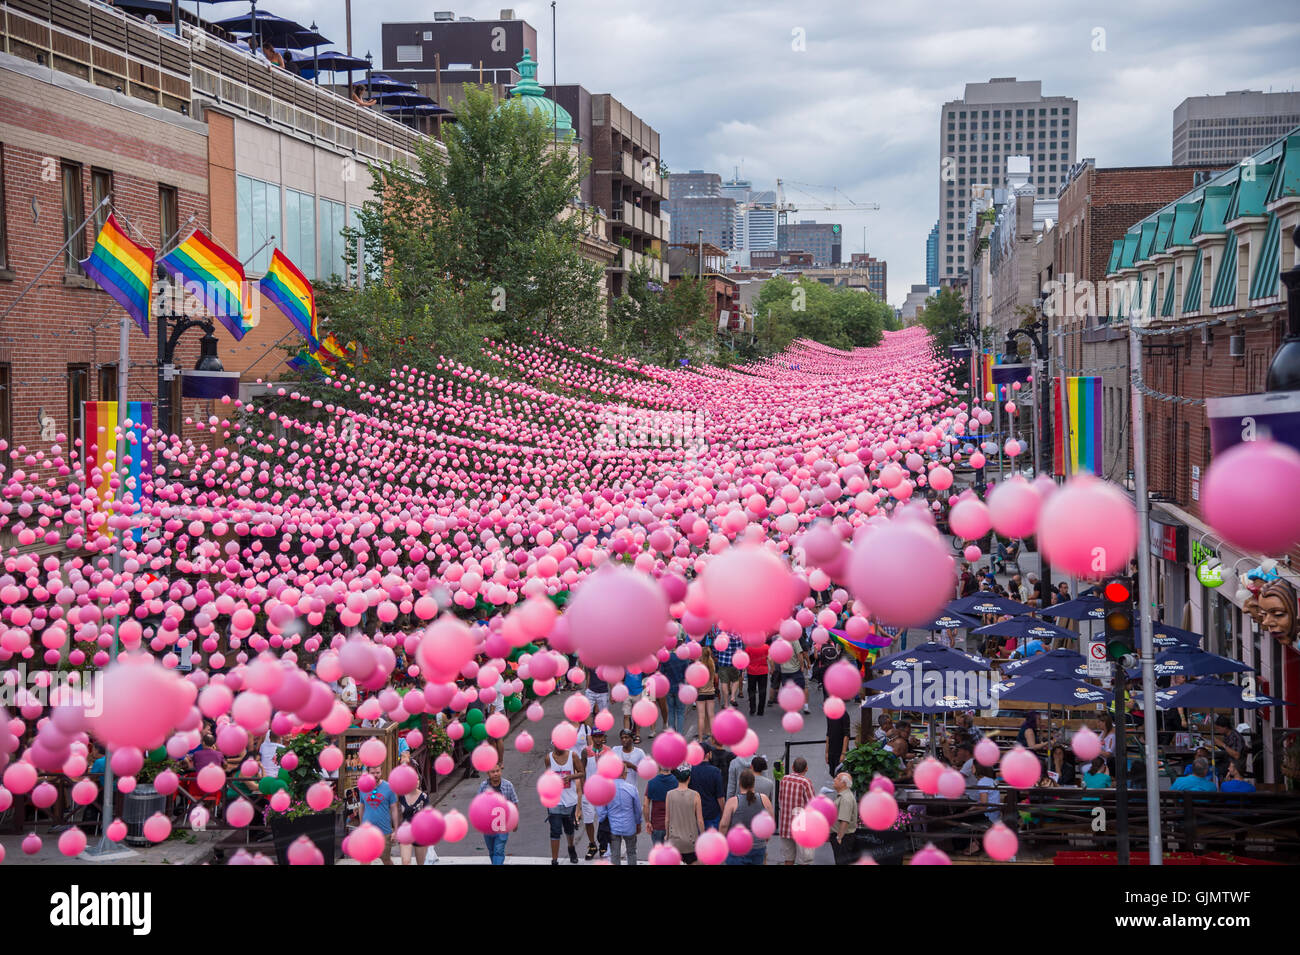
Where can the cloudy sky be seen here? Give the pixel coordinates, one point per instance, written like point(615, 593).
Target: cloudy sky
point(856, 103)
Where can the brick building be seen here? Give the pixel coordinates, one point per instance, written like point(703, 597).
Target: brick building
point(1203, 271)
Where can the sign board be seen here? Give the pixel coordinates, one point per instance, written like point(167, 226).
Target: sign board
point(1241, 418)
point(1168, 541)
point(1098, 665)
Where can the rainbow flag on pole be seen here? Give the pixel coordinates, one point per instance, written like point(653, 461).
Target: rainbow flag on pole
point(123, 269)
point(216, 277)
point(1084, 439)
point(292, 294)
point(986, 373)
point(99, 440)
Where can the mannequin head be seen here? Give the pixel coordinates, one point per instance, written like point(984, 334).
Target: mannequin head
point(1277, 605)
point(1251, 607)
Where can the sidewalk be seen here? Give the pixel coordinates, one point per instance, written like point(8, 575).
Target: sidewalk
point(189, 848)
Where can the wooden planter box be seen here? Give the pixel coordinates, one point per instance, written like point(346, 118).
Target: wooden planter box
point(319, 827)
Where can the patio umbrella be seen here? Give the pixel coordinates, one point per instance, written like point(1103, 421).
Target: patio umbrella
point(905, 697)
point(1025, 627)
point(383, 83)
point(924, 688)
point(988, 603)
point(1081, 608)
point(332, 61)
point(1052, 688)
point(266, 27)
point(932, 656)
point(950, 621)
point(1060, 660)
point(1184, 660)
point(1163, 635)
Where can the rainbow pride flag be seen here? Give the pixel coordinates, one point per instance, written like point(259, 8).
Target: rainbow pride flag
point(1084, 439)
point(986, 373)
point(138, 451)
point(292, 294)
point(123, 269)
point(215, 277)
point(99, 440)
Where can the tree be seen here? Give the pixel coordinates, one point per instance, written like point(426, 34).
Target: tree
point(662, 325)
point(944, 316)
point(479, 243)
point(833, 315)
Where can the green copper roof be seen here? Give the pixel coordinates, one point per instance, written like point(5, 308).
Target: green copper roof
point(1164, 227)
point(1286, 174)
point(1264, 282)
point(1252, 191)
point(1213, 209)
point(1192, 297)
point(1167, 310)
point(529, 92)
point(1130, 250)
point(1185, 214)
point(1225, 280)
point(1145, 238)
point(1155, 288)
point(1116, 247)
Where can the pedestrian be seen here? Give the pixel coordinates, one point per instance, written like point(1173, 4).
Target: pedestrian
point(564, 763)
point(635, 686)
point(597, 694)
point(705, 697)
point(685, 819)
point(756, 677)
point(734, 769)
point(408, 804)
point(597, 838)
point(269, 754)
point(379, 808)
point(706, 779)
point(496, 841)
point(656, 794)
point(674, 711)
point(630, 753)
point(844, 837)
point(728, 675)
point(795, 793)
point(764, 785)
point(741, 809)
point(623, 816)
point(838, 734)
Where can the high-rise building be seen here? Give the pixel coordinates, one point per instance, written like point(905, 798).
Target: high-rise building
point(932, 257)
point(696, 203)
point(876, 270)
point(822, 239)
point(441, 55)
point(760, 222)
point(977, 133)
point(740, 190)
point(1227, 128)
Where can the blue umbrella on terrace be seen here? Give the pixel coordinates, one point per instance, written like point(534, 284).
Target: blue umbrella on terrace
point(1060, 660)
point(988, 603)
point(1051, 688)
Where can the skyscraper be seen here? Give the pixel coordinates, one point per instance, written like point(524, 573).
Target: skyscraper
point(822, 239)
point(740, 190)
point(695, 202)
point(760, 222)
point(1226, 129)
point(932, 257)
point(1003, 117)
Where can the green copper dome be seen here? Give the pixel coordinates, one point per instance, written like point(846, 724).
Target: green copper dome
point(529, 92)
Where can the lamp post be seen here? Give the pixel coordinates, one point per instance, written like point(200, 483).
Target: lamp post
point(1037, 335)
point(208, 360)
point(1284, 372)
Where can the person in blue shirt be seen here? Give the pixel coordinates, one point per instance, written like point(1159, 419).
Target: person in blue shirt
point(379, 808)
point(624, 815)
point(656, 803)
point(1199, 780)
point(706, 779)
point(1233, 782)
point(675, 670)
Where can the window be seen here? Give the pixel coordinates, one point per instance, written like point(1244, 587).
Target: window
point(108, 382)
point(333, 220)
point(300, 231)
point(101, 188)
point(409, 54)
point(259, 220)
point(4, 234)
point(78, 393)
point(74, 213)
point(7, 408)
point(168, 223)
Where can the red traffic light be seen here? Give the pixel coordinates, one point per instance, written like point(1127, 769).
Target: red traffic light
point(1116, 592)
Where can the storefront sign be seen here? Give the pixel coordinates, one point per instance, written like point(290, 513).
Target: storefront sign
point(1168, 541)
point(1241, 418)
point(1210, 573)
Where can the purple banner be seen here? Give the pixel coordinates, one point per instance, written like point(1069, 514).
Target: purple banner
point(1274, 415)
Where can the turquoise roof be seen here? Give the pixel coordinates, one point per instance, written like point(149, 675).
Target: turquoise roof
point(1252, 191)
point(1192, 296)
point(531, 94)
point(1164, 226)
point(1185, 214)
point(1265, 280)
point(1145, 238)
point(1214, 207)
point(1129, 250)
point(1286, 174)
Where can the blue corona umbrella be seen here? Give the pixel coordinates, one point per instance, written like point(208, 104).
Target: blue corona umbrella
point(950, 621)
point(988, 603)
point(1027, 628)
point(1060, 660)
point(932, 656)
point(1184, 660)
point(1081, 608)
point(1051, 688)
point(1212, 693)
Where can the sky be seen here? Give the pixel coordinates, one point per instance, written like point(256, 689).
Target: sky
point(849, 94)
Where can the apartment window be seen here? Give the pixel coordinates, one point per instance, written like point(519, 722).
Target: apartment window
point(78, 393)
point(1065, 111)
point(108, 382)
point(4, 233)
point(74, 213)
point(7, 408)
point(333, 220)
point(300, 231)
point(101, 188)
point(259, 221)
point(168, 216)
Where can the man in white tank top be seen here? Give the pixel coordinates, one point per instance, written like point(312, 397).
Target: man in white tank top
point(568, 767)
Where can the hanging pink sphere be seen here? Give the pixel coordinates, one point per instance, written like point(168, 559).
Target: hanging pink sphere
point(549, 789)
point(302, 851)
point(403, 779)
point(72, 842)
point(792, 722)
point(986, 752)
point(940, 478)
point(488, 812)
point(824, 805)
point(617, 617)
point(116, 831)
point(457, 826)
point(446, 647)
point(977, 460)
point(1089, 528)
point(427, 827)
point(365, 844)
point(444, 764)
point(1020, 768)
point(972, 553)
point(711, 847)
point(598, 790)
point(931, 856)
point(748, 589)
point(484, 757)
point(577, 708)
point(739, 840)
point(664, 854)
point(157, 827)
point(1013, 507)
point(1000, 842)
point(729, 726)
point(320, 795)
point(809, 828)
point(240, 813)
point(669, 749)
point(843, 680)
point(878, 810)
point(882, 784)
point(763, 826)
point(1249, 496)
point(31, 843)
point(970, 518)
point(926, 775)
point(279, 800)
point(952, 784)
point(903, 572)
point(1086, 744)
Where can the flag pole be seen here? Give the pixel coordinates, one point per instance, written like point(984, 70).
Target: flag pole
point(54, 258)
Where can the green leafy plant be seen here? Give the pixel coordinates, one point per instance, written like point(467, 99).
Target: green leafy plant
point(865, 761)
point(307, 747)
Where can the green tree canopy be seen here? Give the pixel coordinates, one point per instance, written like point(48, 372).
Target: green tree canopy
point(944, 316)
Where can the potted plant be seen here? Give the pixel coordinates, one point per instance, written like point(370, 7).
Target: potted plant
point(864, 763)
point(299, 818)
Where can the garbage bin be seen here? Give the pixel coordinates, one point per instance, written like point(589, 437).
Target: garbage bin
point(139, 804)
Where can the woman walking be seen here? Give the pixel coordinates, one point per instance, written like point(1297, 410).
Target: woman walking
point(685, 816)
point(704, 700)
point(741, 809)
point(408, 805)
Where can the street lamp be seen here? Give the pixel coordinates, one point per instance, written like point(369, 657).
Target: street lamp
point(208, 360)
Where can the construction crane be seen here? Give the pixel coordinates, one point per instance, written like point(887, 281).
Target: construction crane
point(840, 202)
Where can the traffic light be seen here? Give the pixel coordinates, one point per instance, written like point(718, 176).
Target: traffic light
point(1118, 598)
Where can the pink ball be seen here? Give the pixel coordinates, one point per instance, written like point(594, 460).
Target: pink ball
point(598, 789)
point(564, 735)
point(986, 752)
point(116, 831)
point(604, 720)
point(669, 749)
point(926, 775)
point(1013, 507)
point(665, 854)
point(940, 478)
point(1020, 768)
point(484, 757)
point(549, 789)
point(1089, 528)
point(763, 826)
point(157, 827)
point(881, 784)
point(1000, 842)
point(302, 851)
point(446, 647)
point(404, 779)
point(972, 553)
point(711, 847)
point(1086, 744)
point(577, 708)
point(457, 826)
point(931, 856)
point(970, 519)
point(365, 844)
point(427, 827)
point(952, 784)
point(792, 722)
point(902, 571)
point(240, 813)
point(809, 828)
point(842, 679)
point(444, 764)
point(748, 590)
point(824, 805)
point(617, 617)
point(72, 842)
point(320, 795)
point(1249, 496)
point(31, 844)
point(739, 840)
point(524, 742)
point(488, 812)
point(645, 713)
point(729, 727)
point(610, 765)
point(878, 810)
